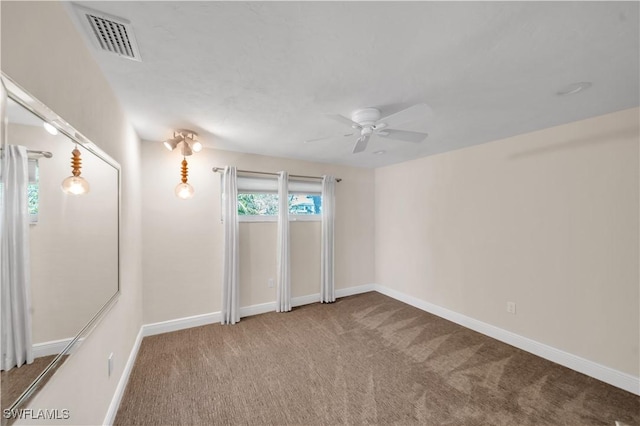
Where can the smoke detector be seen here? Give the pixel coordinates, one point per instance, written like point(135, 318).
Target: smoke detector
point(109, 33)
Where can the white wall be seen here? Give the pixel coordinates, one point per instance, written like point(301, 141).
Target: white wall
point(63, 75)
point(74, 244)
point(548, 220)
point(183, 239)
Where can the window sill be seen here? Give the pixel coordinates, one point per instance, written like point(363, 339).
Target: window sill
point(292, 218)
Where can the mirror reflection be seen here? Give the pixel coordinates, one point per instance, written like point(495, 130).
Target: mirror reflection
point(59, 249)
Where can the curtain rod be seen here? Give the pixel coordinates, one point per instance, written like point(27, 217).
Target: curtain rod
point(219, 169)
point(45, 154)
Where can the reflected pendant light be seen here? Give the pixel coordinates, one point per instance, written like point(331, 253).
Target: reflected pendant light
point(184, 190)
point(75, 184)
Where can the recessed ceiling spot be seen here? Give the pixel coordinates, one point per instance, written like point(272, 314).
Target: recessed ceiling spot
point(574, 88)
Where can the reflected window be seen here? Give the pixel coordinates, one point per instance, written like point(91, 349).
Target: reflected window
point(33, 190)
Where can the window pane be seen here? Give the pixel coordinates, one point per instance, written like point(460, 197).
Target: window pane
point(257, 204)
point(261, 204)
point(305, 204)
point(32, 197)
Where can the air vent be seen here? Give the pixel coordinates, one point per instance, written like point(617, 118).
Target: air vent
point(109, 33)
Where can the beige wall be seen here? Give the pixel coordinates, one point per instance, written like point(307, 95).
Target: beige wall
point(69, 286)
point(183, 239)
point(63, 75)
point(548, 220)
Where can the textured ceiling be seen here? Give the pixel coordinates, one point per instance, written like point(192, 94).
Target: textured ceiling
point(258, 77)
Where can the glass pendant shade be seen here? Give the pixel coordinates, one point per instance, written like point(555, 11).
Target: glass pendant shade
point(75, 185)
point(184, 191)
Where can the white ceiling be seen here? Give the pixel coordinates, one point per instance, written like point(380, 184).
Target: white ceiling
point(258, 77)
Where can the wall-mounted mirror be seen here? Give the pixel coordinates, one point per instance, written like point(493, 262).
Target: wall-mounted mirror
point(59, 257)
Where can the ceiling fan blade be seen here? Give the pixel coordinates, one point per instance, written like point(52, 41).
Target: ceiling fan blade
point(403, 135)
point(361, 144)
point(344, 120)
point(417, 112)
point(327, 138)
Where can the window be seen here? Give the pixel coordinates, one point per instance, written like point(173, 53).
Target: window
point(305, 204)
point(257, 204)
point(258, 200)
point(33, 194)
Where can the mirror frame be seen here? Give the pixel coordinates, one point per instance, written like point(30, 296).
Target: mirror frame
point(11, 90)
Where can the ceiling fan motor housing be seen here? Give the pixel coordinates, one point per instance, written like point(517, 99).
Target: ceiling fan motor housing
point(366, 117)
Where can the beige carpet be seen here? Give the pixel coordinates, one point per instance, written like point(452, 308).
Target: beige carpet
point(363, 359)
point(15, 381)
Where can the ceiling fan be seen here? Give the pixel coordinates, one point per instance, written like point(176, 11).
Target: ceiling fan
point(367, 122)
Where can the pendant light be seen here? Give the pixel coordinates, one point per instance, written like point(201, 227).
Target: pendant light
point(75, 184)
point(184, 190)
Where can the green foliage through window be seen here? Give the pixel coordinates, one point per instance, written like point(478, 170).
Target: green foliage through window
point(259, 204)
point(32, 197)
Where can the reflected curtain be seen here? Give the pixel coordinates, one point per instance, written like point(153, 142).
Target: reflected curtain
point(15, 297)
point(231, 282)
point(327, 290)
point(283, 274)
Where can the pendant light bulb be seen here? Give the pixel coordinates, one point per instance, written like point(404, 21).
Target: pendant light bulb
point(75, 184)
point(184, 191)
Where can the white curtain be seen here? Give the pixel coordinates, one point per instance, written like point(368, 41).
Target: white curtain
point(327, 290)
point(230, 283)
point(283, 293)
point(15, 292)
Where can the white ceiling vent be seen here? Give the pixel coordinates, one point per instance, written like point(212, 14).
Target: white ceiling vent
point(109, 33)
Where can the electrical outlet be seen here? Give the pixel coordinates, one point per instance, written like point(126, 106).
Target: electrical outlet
point(511, 307)
point(270, 283)
point(110, 364)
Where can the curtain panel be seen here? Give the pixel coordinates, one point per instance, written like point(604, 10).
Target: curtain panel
point(327, 286)
point(283, 291)
point(230, 282)
point(15, 281)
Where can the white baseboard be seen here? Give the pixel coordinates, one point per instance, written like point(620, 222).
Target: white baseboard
point(245, 311)
point(54, 347)
point(350, 291)
point(598, 371)
point(122, 383)
point(180, 324)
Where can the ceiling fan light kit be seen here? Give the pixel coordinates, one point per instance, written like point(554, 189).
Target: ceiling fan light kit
point(370, 123)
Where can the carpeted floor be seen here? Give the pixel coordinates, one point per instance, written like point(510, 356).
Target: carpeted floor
point(15, 381)
point(364, 359)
